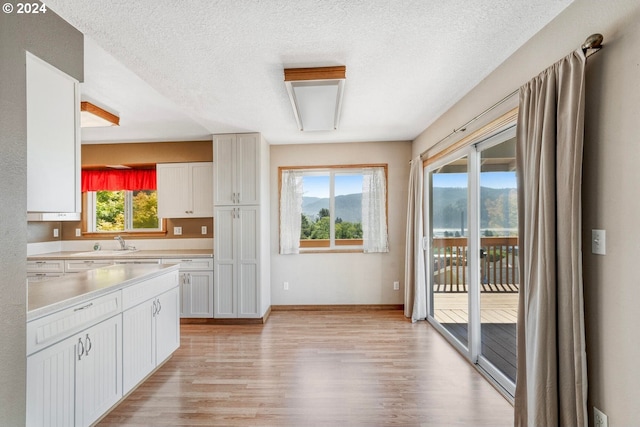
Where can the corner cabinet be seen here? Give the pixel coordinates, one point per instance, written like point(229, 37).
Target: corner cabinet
point(53, 142)
point(185, 190)
point(241, 226)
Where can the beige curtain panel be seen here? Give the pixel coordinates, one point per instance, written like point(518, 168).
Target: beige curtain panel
point(415, 291)
point(551, 385)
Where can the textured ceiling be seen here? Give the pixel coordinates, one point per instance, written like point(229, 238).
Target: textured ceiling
point(180, 70)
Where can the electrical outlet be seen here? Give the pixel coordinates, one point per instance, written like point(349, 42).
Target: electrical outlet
point(56, 232)
point(78, 232)
point(285, 286)
point(203, 229)
point(177, 231)
point(396, 286)
point(599, 418)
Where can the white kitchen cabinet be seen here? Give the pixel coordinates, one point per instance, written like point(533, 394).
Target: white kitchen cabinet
point(196, 286)
point(151, 329)
point(237, 169)
point(41, 270)
point(76, 380)
point(185, 190)
point(241, 226)
point(53, 143)
point(237, 262)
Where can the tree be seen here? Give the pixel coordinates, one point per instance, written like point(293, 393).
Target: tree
point(305, 229)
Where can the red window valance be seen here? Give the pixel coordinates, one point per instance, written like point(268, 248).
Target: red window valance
point(117, 180)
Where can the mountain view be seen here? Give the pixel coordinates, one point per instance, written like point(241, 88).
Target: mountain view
point(498, 208)
point(348, 207)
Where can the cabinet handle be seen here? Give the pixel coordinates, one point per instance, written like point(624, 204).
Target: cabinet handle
point(80, 348)
point(88, 345)
point(83, 307)
point(159, 307)
point(155, 309)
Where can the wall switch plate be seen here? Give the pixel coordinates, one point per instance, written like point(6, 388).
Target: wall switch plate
point(285, 286)
point(599, 242)
point(203, 229)
point(177, 231)
point(56, 232)
point(599, 418)
point(78, 232)
point(396, 286)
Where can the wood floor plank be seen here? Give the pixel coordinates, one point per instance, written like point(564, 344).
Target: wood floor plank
point(315, 369)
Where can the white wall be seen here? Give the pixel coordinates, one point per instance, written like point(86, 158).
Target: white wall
point(611, 174)
point(342, 278)
point(55, 41)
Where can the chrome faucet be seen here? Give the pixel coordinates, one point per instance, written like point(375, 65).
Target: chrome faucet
point(123, 245)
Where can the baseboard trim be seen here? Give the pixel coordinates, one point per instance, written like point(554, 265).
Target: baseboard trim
point(338, 307)
point(232, 321)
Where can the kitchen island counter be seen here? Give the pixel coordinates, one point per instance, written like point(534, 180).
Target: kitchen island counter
point(52, 295)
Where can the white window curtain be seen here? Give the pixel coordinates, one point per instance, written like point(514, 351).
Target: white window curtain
point(374, 211)
point(290, 212)
point(415, 291)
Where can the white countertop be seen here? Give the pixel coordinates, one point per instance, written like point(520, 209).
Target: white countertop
point(165, 253)
point(58, 293)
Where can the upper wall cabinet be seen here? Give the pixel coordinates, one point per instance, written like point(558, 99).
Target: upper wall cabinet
point(237, 169)
point(53, 142)
point(185, 190)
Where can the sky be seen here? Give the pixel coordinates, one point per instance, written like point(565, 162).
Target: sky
point(318, 186)
point(487, 179)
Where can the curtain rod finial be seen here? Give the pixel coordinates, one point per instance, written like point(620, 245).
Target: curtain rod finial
point(594, 41)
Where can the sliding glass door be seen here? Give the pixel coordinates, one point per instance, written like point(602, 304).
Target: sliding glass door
point(473, 256)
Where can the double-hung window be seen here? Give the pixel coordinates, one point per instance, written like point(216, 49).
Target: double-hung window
point(121, 201)
point(333, 208)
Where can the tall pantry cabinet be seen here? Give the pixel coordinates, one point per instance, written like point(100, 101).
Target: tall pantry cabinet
point(241, 226)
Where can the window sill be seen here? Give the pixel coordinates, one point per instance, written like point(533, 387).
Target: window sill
point(331, 251)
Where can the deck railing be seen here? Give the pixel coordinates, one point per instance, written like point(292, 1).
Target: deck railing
point(498, 263)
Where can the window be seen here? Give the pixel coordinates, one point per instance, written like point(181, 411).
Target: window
point(333, 208)
point(121, 201)
point(123, 210)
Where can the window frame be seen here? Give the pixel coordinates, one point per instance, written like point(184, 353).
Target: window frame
point(89, 214)
point(339, 245)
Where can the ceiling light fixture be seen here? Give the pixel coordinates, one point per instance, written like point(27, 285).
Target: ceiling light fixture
point(94, 116)
point(316, 96)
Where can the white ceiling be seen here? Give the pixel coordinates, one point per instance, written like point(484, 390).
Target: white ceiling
point(182, 70)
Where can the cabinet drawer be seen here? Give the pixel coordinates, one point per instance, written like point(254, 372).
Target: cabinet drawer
point(147, 289)
point(54, 327)
point(37, 277)
point(77, 265)
point(51, 266)
point(191, 263)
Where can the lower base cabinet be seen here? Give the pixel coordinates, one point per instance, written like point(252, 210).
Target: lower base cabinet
point(151, 333)
point(83, 359)
point(78, 379)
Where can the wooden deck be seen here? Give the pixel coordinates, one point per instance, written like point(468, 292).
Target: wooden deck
point(498, 315)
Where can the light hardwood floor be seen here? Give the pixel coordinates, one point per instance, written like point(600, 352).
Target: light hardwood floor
point(370, 368)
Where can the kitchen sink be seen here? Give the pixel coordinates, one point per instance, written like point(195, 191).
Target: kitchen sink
point(106, 253)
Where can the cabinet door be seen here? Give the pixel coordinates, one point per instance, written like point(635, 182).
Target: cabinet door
point(51, 385)
point(173, 195)
point(202, 189)
point(247, 169)
point(138, 358)
point(99, 371)
point(53, 148)
point(197, 295)
point(167, 324)
point(247, 256)
point(224, 179)
point(224, 272)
